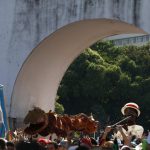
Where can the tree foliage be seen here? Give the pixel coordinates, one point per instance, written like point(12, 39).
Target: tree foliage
point(103, 78)
point(59, 109)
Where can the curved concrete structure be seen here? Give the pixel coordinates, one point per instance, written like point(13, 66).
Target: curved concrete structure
point(41, 73)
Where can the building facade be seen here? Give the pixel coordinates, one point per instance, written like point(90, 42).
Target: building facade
point(134, 40)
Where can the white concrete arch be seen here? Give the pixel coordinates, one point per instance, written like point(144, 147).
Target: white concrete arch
point(41, 73)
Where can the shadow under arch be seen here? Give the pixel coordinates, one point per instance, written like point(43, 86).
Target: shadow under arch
point(40, 75)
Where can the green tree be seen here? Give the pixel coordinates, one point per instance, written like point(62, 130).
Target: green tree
point(59, 108)
point(103, 78)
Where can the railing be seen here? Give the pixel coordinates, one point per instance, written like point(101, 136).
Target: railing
point(138, 40)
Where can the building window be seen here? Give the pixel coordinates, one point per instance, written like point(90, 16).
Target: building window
point(133, 40)
point(147, 37)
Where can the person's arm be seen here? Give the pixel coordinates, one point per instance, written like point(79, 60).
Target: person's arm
point(107, 130)
point(103, 138)
point(126, 138)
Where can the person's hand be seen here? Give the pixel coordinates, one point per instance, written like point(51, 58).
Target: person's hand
point(108, 129)
point(119, 128)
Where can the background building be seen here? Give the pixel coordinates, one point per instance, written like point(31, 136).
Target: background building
point(133, 39)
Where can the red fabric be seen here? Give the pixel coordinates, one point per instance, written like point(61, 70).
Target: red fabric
point(132, 105)
point(86, 141)
point(44, 141)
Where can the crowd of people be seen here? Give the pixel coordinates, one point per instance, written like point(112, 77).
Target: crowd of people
point(125, 136)
point(44, 144)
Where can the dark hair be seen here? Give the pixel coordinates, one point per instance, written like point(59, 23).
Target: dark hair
point(10, 144)
point(82, 147)
point(93, 141)
point(2, 144)
point(23, 145)
point(55, 144)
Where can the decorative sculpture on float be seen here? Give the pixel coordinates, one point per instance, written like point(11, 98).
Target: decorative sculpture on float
point(49, 123)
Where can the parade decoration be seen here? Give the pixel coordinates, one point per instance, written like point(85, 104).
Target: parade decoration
point(44, 124)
